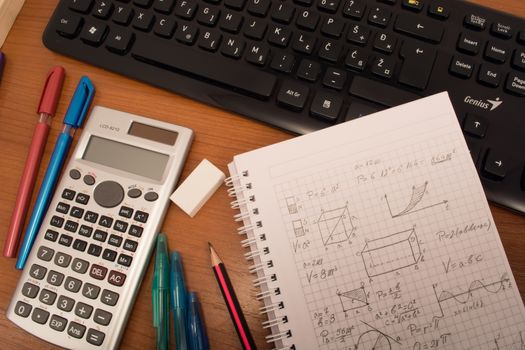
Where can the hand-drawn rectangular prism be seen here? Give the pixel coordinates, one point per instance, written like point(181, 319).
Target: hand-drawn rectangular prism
point(391, 253)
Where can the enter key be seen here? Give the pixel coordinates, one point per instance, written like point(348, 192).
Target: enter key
point(417, 65)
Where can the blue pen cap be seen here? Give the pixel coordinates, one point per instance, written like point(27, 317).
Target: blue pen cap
point(79, 105)
point(177, 285)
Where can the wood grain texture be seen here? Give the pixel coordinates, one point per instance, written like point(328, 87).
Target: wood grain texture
point(219, 136)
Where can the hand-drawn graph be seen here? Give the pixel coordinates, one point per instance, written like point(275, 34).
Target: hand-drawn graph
point(374, 339)
point(291, 204)
point(298, 228)
point(335, 225)
point(417, 196)
point(353, 299)
point(391, 253)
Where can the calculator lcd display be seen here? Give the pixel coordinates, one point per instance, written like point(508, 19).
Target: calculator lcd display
point(132, 159)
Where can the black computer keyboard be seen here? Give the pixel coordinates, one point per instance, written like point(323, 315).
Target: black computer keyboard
point(307, 64)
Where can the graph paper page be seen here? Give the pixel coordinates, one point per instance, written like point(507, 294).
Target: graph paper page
point(380, 236)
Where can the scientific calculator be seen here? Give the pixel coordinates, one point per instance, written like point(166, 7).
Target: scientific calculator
point(89, 258)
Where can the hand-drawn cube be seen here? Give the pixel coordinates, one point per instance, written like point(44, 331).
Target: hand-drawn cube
point(335, 226)
point(391, 253)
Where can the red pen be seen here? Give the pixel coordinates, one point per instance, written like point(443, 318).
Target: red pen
point(46, 110)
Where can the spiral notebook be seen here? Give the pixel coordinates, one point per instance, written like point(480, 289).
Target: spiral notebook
point(376, 234)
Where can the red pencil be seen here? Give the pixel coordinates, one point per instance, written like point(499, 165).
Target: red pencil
point(231, 301)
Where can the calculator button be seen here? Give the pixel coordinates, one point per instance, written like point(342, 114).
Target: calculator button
point(45, 253)
point(76, 330)
point(116, 278)
point(79, 265)
point(109, 298)
point(51, 235)
point(72, 284)
point(57, 221)
point(141, 216)
point(120, 226)
point(22, 309)
point(65, 240)
point(109, 255)
point(47, 297)
point(151, 196)
point(134, 193)
point(62, 208)
point(108, 194)
point(90, 291)
point(94, 250)
point(91, 216)
point(68, 194)
point(83, 310)
point(124, 260)
point(105, 221)
point(82, 198)
point(40, 316)
point(102, 317)
point(30, 290)
point(57, 323)
point(65, 303)
point(95, 337)
point(62, 259)
point(115, 240)
point(55, 278)
point(89, 180)
point(125, 212)
point(85, 231)
point(71, 226)
point(74, 174)
point(79, 245)
point(77, 212)
point(100, 235)
point(98, 272)
point(130, 245)
point(38, 272)
point(135, 230)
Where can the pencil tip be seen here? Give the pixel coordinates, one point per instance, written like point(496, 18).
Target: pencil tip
point(209, 245)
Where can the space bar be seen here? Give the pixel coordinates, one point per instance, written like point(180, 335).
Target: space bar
point(380, 93)
point(216, 69)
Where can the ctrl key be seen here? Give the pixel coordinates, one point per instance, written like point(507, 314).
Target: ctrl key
point(68, 26)
point(495, 166)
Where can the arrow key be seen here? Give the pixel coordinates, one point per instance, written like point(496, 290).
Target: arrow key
point(102, 9)
point(495, 166)
point(475, 125)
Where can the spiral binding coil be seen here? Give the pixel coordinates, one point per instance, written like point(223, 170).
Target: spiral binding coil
point(261, 267)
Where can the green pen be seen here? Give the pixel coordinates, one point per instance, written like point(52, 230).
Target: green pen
point(178, 301)
point(160, 293)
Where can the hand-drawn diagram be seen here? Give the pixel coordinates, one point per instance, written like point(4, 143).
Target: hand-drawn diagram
point(391, 253)
point(335, 225)
point(292, 205)
point(417, 196)
point(462, 298)
point(374, 339)
point(353, 299)
point(298, 228)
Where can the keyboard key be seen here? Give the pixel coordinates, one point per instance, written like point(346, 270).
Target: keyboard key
point(293, 95)
point(164, 6)
point(164, 26)
point(109, 298)
point(304, 43)
point(186, 9)
point(92, 34)
point(124, 260)
point(308, 70)
point(57, 323)
point(72, 284)
point(122, 15)
point(469, 44)
point(68, 194)
point(91, 216)
point(283, 62)
point(142, 3)
point(518, 60)
point(413, 5)
point(82, 198)
point(22, 309)
point(51, 235)
point(489, 76)
point(283, 13)
point(102, 9)
point(258, 54)
point(102, 317)
point(130, 245)
point(516, 84)
point(420, 28)
point(380, 93)
point(356, 59)
point(40, 316)
point(116, 278)
point(45, 253)
point(461, 67)
point(417, 65)
point(495, 166)
point(334, 78)
point(332, 26)
point(62, 208)
point(95, 337)
point(90, 291)
point(62, 259)
point(116, 241)
point(76, 330)
point(358, 34)
point(258, 7)
point(94, 250)
point(379, 16)
point(330, 51)
point(71, 226)
point(279, 35)
point(476, 22)
point(30, 290)
point(385, 42)
point(65, 303)
point(326, 106)
point(105, 221)
point(119, 41)
point(439, 11)
point(85, 231)
point(495, 52)
point(232, 47)
point(82, 6)
point(230, 21)
point(37, 272)
point(208, 16)
point(65, 240)
point(57, 221)
point(142, 20)
point(98, 272)
point(521, 37)
point(120, 226)
point(69, 25)
point(47, 297)
point(247, 80)
point(79, 245)
point(83, 310)
point(55, 278)
point(354, 9)
point(501, 30)
point(383, 67)
point(79, 265)
point(307, 19)
point(328, 5)
point(210, 40)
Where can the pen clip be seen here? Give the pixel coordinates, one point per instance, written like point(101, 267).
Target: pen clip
point(51, 92)
point(80, 103)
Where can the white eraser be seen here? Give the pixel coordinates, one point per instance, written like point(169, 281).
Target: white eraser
point(198, 187)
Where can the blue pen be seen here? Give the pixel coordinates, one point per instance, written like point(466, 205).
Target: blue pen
point(178, 301)
point(75, 115)
point(197, 339)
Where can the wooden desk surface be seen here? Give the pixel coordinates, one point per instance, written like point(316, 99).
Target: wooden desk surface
point(219, 136)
